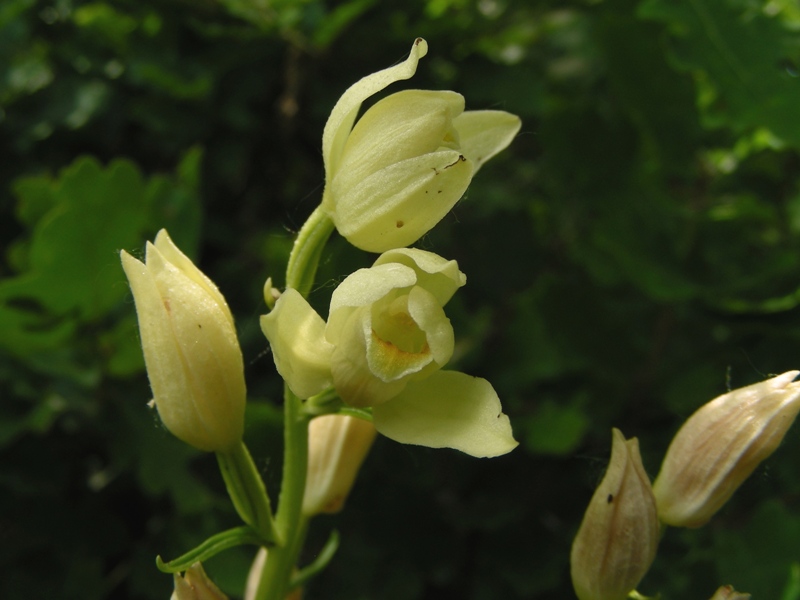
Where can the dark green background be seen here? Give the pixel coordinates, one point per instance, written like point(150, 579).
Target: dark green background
point(635, 253)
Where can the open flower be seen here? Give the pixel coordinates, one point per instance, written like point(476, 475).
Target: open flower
point(386, 339)
point(190, 347)
point(618, 538)
point(408, 159)
point(720, 445)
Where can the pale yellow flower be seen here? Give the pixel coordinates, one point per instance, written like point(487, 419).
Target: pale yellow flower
point(384, 346)
point(190, 347)
point(408, 159)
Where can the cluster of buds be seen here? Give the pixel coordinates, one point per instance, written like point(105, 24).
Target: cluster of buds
point(717, 448)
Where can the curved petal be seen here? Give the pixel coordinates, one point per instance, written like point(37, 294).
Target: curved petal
point(352, 377)
point(401, 126)
point(484, 133)
point(296, 334)
point(193, 359)
point(399, 204)
point(448, 410)
point(344, 112)
point(362, 288)
point(430, 318)
point(437, 275)
point(396, 345)
point(173, 255)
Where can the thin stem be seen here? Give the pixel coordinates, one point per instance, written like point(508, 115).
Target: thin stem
point(304, 259)
point(290, 521)
point(247, 490)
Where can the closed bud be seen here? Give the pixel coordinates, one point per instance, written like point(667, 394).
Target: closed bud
point(726, 592)
point(337, 446)
point(720, 446)
point(195, 585)
point(617, 540)
point(192, 355)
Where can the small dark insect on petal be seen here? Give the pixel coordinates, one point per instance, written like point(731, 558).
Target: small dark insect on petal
point(610, 498)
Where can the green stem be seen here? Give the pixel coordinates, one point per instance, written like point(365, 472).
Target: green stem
point(247, 491)
point(303, 261)
point(290, 521)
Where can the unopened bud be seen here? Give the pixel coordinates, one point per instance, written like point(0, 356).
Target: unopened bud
point(337, 445)
point(720, 445)
point(726, 592)
point(195, 585)
point(190, 347)
point(617, 540)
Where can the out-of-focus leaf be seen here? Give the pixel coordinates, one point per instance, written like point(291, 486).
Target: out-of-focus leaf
point(744, 62)
point(338, 19)
point(757, 557)
point(79, 223)
point(555, 428)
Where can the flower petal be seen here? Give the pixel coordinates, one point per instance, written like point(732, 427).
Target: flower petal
point(441, 277)
point(401, 126)
point(448, 410)
point(484, 133)
point(362, 288)
point(397, 205)
point(191, 351)
point(173, 254)
point(429, 316)
point(355, 383)
point(296, 334)
point(343, 115)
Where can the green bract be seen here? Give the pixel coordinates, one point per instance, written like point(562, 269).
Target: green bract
point(407, 161)
point(385, 341)
point(190, 347)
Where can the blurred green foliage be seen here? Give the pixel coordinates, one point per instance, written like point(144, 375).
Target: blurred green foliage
point(635, 253)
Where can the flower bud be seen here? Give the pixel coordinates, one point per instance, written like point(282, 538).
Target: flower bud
point(190, 347)
point(195, 585)
point(617, 540)
point(720, 445)
point(407, 161)
point(337, 446)
point(726, 592)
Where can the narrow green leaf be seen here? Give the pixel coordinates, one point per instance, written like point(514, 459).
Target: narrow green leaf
point(231, 538)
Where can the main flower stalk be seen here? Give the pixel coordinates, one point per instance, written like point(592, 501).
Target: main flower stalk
point(290, 522)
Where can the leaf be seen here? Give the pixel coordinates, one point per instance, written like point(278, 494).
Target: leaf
point(209, 548)
point(742, 61)
point(69, 267)
point(556, 429)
